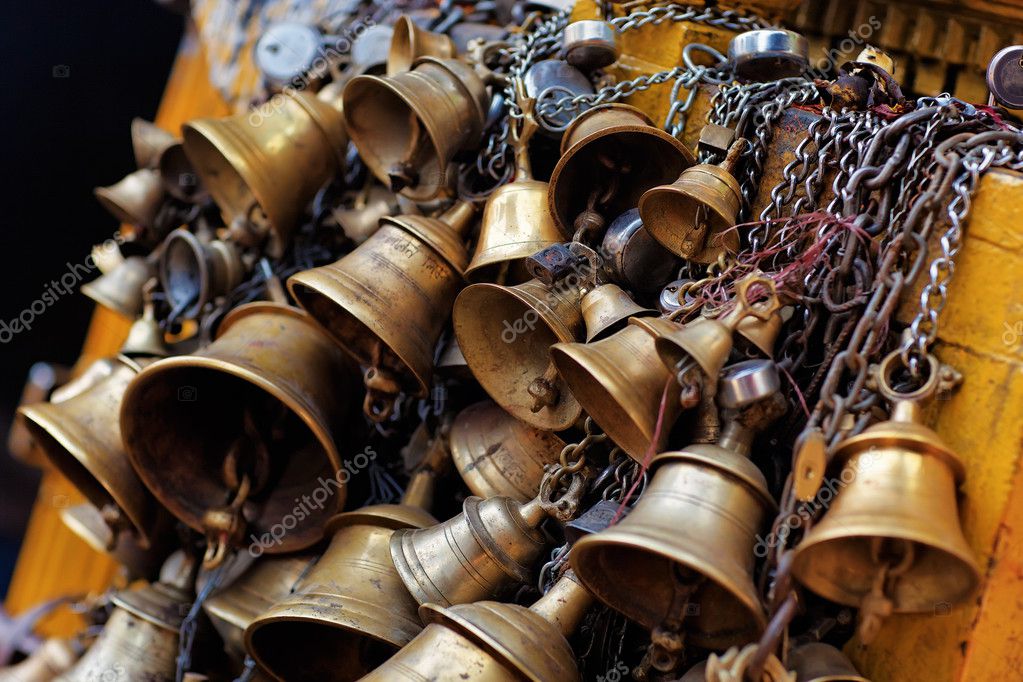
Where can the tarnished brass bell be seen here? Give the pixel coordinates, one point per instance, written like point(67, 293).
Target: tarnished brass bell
point(610, 155)
point(409, 43)
point(148, 141)
point(120, 290)
point(134, 199)
point(197, 268)
point(407, 127)
point(53, 657)
point(892, 530)
point(482, 553)
point(607, 309)
point(494, 642)
point(516, 219)
point(227, 437)
point(694, 576)
point(88, 523)
point(145, 338)
point(386, 302)
point(496, 454)
point(619, 381)
point(81, 437)
point(233, 608)
point(140, 639)
point(693, 217)
point(819, 662)
point(505, 334)
point(262, 167)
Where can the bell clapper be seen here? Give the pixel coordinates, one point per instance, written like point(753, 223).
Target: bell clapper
point(403, 173)
point(224, 527)
point(893, 558)
point(382, 387)
point(667, 640)
point(543, 391)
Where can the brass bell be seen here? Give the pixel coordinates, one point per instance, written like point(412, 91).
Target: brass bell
point(619, 381)
point(81, 437)
point(145, 338)
point(134, 199)
point(892, 530)
point(409, 43)
point(262, 167)
point(233, 608)
point(371, 205)
point(226, 437)
point(120, 290)
point(178, 175)
point(606, 309)
point(694, 216)
point(148, 141)
point(505, 334)
point(496, 454)
point(819, 662)
point(613, 150)
point(386, 302)
point(52, 658)
point(697, 576)
point(483, 553)
point(140, 639)
point(88, 523)
point(493, 641)
point(195, 269)
point(516, 219)
point(407, 127)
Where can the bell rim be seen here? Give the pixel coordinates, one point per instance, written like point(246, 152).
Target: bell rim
point(495, 256)
point(128, 599)
point(390, 516)
point(195, 247)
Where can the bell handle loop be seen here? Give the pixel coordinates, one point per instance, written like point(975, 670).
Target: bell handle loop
point(884, 374)
point(762, 311)
point(216, 552)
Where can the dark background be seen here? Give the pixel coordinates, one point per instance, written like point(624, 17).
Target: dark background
point(74, 73)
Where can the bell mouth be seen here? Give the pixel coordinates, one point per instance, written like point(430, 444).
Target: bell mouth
point(221, 156)
point(506, 342)
point(185, 273)
point(178, 175)
point(720, 617)
point(183, 415)
point(311, 648)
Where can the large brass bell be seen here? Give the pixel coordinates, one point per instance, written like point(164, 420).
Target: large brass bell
point(134, 199)
point(140, 639)
point(409, 43)
point(694, 216)
point(493, 641)
point(197, 268)
point(620, 383)
point(407, 127)
point(53, 657)
point(120, 289)
point(482, 553)
point(226, 438)
point(820, 662)
point(892, 530)
point(516, 219)
point(387, 302)
point(610, 155)
point(693, 576)
point(496, 454)
point(233, 608)
point(505, 334)
point(262, 167)
point(81, 437)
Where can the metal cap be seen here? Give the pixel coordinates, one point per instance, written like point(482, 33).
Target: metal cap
point(744, 383)
point(768, 54)
point(1005, 77)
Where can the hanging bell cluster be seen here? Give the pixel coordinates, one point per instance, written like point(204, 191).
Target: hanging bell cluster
point(460, 248)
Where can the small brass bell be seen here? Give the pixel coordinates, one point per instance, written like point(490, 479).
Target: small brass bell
point(619, 382)
point(145, 338)
point(408, 127)
point(516, 219)
point(819, 662)
point(695, 577)
point(52, 658)
point(610, 155)
point(226, 437)
point(233, 608)
point(493, 641)
point(409, 43)
point(694, 216)
point(496, 454)
point(134, 199)
point(140, 639)
point(195, 269)
point(81, 437)
point(505, 334)
point(262, 167)
point(892, 530)
point(120, 290)
point(606, 309)
point(88, 523)
point(482, 553)
point(386, 302)
point(148, 141)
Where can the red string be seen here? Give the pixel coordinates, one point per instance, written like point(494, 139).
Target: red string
point(650, 451)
